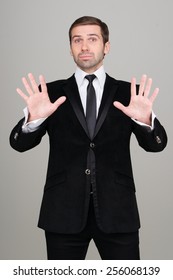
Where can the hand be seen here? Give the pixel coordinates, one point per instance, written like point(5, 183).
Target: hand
point(38, 103)
point(140, 106)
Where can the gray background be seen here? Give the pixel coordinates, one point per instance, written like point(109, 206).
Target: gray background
point(34, 38)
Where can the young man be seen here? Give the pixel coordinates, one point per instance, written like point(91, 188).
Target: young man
point(89, 191)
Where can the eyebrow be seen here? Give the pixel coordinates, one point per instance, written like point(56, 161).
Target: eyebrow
point(93, 35)
point(80, 36)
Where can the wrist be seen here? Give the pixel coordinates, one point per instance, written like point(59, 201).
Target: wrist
point(146, 120)
point(32, 118)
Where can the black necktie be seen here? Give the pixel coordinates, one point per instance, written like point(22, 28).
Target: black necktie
point(91, 105)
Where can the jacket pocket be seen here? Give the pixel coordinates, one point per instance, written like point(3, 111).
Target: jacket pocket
point(125, 180)
point(55, 180)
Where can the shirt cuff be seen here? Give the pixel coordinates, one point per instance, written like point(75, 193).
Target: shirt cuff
point(33, 125)
point(149, 127)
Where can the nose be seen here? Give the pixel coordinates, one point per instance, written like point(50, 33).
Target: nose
point(85, 46)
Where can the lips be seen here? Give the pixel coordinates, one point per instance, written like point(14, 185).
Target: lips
point(85, 56)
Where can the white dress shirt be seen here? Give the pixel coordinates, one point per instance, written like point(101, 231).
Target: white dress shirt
point(82, 84)
point(98, 84)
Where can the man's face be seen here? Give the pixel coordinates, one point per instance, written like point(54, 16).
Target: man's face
point(87, 47)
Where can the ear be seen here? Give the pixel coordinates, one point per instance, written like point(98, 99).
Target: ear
point(107, 48)
point(71, 53)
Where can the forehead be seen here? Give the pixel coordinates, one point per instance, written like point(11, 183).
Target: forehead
point(86, 30)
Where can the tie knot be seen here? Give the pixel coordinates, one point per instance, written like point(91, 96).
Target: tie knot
point(90, 78)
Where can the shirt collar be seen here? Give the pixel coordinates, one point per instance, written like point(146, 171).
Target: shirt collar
point(100, 74)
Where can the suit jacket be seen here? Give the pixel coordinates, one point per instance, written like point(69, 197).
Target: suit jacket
point(77, 162)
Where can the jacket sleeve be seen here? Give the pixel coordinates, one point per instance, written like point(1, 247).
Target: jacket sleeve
point(151, 141)
point(21, 141)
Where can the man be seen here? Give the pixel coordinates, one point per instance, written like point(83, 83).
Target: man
point(89, 191)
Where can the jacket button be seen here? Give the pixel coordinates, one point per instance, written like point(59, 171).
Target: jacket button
point(87, 171)
point(158, 140)
point(92, 145)
point(16, 136)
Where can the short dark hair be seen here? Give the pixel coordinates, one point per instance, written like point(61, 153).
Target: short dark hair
point(88, 20)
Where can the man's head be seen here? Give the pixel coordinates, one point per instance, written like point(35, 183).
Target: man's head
point(88, 20)
point(89, 42)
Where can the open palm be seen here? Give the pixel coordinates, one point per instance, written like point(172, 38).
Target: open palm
point(38, 102)
point(140, 106)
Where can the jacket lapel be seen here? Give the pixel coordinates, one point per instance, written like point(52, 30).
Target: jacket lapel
point(110, 89)
point(72, 92)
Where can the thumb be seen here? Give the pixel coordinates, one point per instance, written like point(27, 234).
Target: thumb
point(119, 106)
point(60, 101)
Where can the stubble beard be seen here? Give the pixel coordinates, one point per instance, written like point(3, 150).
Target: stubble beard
point(90, 64)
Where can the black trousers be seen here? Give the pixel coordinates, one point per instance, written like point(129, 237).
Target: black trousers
point(112, 246)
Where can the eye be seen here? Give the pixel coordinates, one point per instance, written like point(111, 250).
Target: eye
point(92, 39)
point(77, 40)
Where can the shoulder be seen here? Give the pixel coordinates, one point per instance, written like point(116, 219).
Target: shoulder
point(123, 91)
point(57, 84)
point(120, 83)
point(55, 88)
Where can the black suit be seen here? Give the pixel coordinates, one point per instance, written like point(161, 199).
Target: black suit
point(76, 162)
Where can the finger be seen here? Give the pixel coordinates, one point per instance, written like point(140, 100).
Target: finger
point(154, 95)
point(33, 83)
point(119, 106)
point(142, 84)
point(148, 87)
point(133, 86)
point(59, 101)
point(27, 86)
point(43, 83)
point(20, 92)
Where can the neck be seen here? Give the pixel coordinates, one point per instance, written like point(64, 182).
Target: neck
point(91, 70)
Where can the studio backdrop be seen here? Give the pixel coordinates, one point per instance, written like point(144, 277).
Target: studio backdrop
point(34, 38)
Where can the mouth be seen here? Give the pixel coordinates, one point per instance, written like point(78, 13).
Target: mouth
point(85, 56)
